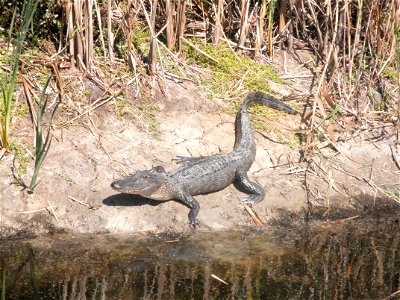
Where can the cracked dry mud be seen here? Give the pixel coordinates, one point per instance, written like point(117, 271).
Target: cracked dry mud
point(74, 193)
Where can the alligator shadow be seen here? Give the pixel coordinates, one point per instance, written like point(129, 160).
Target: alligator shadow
point(129, 200)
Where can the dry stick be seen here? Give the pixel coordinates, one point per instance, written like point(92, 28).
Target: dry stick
point(317, 26)
point(109, 32)
point(52, 210)
point(70, 31)
point(128, 26)
point(260, 29)
point(2, 151)
point(98, 15)
point(181, 23)
point(230, 43)
point(355, 49)
point(58, 78)
point(152, 51)
point(33, 211)
point(345, 219)
point(199, 50)
point(28, 94)
point(239, 84)
point(243, 22)
point(80, 202)
point(276, 37)
point(391, 295)
point(89, 34)
point(48, 208)
point(81, 62)
point(385, 64)
point(162, 69)
point(78, 36)
point(170, 7)
point(394, 155)
point(219, 279)
point(152, 34)
point(187, 67)
point(87, 205)
point(136, 75)
point(253, 215)
point(218, 16)
point(296, 76)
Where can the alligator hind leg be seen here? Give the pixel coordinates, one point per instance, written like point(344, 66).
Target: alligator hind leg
point(255, 193)
point(194, 207)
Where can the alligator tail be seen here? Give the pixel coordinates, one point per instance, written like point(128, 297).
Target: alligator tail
point(268, 100)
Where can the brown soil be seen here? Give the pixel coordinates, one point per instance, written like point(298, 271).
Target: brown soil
point(74, 193)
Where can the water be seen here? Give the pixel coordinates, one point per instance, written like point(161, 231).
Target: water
point(351, 260)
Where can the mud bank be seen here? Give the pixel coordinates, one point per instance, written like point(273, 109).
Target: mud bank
point(74, 194)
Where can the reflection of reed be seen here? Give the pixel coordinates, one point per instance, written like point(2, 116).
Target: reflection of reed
point(340, 263)
point(346, 263)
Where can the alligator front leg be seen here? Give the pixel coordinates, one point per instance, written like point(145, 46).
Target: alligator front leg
point(194, 207)
point(255, 192)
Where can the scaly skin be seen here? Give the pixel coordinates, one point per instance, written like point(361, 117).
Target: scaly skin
point(203, 175)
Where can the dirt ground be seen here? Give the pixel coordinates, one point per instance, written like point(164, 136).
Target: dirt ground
point(74, 193)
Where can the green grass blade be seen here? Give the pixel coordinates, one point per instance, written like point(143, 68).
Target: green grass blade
point(41, 147)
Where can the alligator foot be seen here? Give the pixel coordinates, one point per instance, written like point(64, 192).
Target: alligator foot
point(252, 199)
point(193, 223)
point(190, 201)
point(255, 192)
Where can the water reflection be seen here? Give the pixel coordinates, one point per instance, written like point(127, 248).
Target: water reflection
point(341, 261)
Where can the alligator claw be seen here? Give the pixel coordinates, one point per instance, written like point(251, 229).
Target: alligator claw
point(193, 223)
point(252, 199)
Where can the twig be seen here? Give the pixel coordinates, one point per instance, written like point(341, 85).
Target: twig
point(345, 219)
point(33, 211)
point(253, 215)
point(296, 76)
point(52, 210)
point(394, 155)
point(392, 295)
point(199, 50)
point(87, 205)
point(80, 202)
point(219, 279)
point(28, 93)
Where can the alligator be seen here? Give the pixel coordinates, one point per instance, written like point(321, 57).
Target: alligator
point(206, 174)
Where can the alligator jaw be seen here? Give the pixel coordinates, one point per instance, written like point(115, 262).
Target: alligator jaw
point(152, 184)
point(118, 186)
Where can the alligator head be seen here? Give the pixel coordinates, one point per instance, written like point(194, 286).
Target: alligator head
point(152, 184)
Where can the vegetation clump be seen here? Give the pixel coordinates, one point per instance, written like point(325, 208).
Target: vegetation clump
point(230, 72)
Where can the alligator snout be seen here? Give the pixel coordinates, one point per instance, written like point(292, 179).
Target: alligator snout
point(115, 185)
